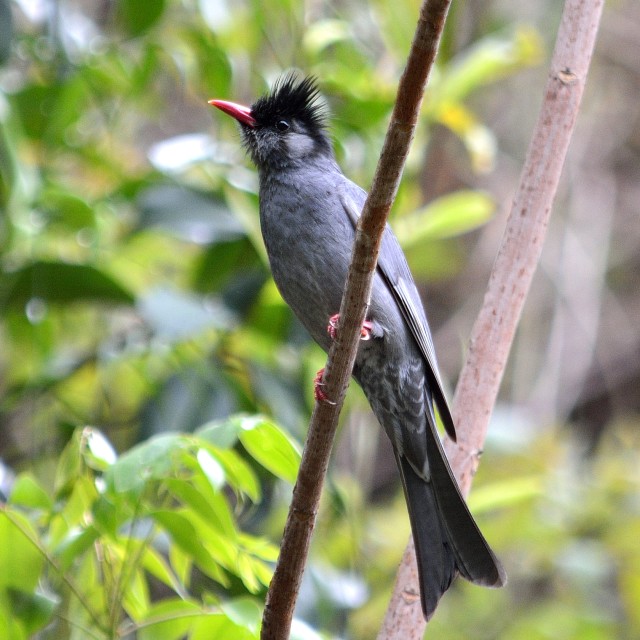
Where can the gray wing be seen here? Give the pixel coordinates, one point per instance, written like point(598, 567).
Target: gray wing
point(393, 266)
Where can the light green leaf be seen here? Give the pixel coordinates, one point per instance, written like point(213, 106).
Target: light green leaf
point(220, 626)
point(34, 610)
point(271, 447)
point(21, 563)
point(27, 492)
point(181, 563)
point(150, 460)
point(210, 506)
point(170, 619)
point(264, 441)
point(239, 474)
point(75, 511)
point(505, 494)
point(245, 612)
point(135, 595)
point(259, 547)
point(75, 544)
point(450, 215)
point(157, 566)
point(185, 535)
point(487, 61)
point(67, 209)
point(221, 433)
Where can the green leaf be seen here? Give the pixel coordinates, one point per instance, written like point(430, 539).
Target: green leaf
point(157, 566)
point(150, 460)
point(76, 506)
point(135, 593)
point(27, 492)
point(105, 516)
point(489, 60)
point(212, 508)
point(265, 442)
point(35, 610)
point(69, 466)
point(245, 612)
point(59, 282)
point(505, 494)
point(181, 563)
point(10, 625)
point(221, 433)
point(170, 619)
point(444, 217)
point(74, 545)
point(67, 209)
point(185, 535)
point(137, 16)
point(21, 563)
point(240, 476)
point(259, 547)
point(220, 626)
point(31, 102)
point(271, 447)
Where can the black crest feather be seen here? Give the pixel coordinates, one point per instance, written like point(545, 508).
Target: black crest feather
point(291, 97)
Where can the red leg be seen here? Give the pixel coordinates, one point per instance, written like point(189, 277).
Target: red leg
point(318, 392)
point(365, 330)
point(332, 328)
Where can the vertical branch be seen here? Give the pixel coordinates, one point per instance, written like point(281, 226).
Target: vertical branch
point(285, 584)
point(516, 261)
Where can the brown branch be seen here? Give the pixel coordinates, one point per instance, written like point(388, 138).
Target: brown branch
point(493, 331)
point(285, 584)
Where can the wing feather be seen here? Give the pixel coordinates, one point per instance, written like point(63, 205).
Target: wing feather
point(393, 266)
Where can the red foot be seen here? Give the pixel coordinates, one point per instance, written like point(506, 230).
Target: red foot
point(332, 328)
point(318, 392)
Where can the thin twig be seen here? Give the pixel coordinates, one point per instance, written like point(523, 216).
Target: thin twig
point(284, 587)
point(518, 256)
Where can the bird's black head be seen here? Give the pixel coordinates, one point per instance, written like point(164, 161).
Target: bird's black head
point(284, 128)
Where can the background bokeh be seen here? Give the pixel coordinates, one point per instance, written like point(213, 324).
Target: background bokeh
point(135, 298)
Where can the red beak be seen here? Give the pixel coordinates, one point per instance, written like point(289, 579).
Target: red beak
point(241, 113)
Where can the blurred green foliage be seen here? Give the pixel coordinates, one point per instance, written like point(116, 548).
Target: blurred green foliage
point(120, 532)
point(135, 296)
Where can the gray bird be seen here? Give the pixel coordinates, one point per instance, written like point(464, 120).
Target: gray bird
point(308, 215)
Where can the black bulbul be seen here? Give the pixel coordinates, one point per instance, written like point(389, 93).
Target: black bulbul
point(308, 214)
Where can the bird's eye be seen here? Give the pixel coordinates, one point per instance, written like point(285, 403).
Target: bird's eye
point(282, 125)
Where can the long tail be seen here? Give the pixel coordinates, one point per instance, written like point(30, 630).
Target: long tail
point(447, 539)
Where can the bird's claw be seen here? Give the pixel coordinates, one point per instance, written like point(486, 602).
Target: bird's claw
point(318, 392)
point(332, 328)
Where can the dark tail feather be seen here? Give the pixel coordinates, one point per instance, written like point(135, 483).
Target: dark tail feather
point(436, 562)
point(446, 537)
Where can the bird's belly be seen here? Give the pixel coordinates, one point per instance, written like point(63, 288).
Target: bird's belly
point(310, 270)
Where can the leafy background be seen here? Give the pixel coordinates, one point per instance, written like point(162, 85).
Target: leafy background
point(154, 389)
